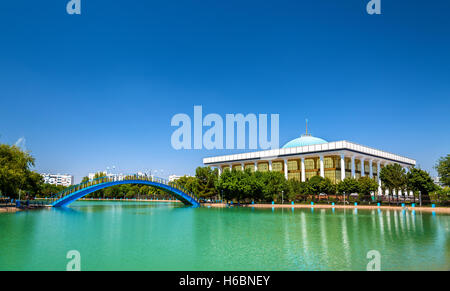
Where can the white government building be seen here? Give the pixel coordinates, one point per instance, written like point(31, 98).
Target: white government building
point(308, 156)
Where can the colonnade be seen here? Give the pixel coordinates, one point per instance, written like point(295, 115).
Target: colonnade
point(372, 162)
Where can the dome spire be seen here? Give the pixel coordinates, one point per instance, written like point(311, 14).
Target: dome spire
point(306, 122)
point(306, 125)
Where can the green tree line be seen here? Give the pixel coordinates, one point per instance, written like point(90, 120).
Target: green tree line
point(247, 186)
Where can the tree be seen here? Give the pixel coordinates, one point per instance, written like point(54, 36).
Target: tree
point(367, 185)
point(274, 184)
point(251, 186)
point(227, 185)
point(132, 192)
point(15, 173)
point(33, 184)
point(206, 178)
point(443, 169)
point(109, 192)
point(187, 182)
point(99, 175)
point(296, 190)
point(419, 180)
point(348, 186)
point(124, 189)
point(48, 190)
point(443, 196)
point(393, 177)
point(99, 193)
point(314, 185)
point(327, 187)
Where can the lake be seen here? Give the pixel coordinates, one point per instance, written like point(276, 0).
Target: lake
point(170, 236)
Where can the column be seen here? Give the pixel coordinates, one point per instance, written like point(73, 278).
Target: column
point(242, 166)
point(342, 167)
point(220, 170)
point(370, 169)
point(353, 167)
point(231, 167)
point(378, 177)
point(256, 166)
point(303, 170)
point(322, 170)
point(362, 167)
point(286, 169)
point(270, 166)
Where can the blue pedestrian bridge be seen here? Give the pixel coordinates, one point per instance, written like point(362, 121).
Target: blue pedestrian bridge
point(73, 193)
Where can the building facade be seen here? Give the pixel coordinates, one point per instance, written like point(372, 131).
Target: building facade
point(308, 156)
point(118, 176)
point(174, 177)
point(58, 179)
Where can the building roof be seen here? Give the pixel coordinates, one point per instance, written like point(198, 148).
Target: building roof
point(304, 140)
point(337, 147)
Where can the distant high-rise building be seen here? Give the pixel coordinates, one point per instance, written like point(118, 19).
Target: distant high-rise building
point(58, 179)
point(106, 174)
point(176, 177)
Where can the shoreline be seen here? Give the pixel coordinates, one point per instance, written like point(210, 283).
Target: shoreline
point(9, 209)
point(328, 206)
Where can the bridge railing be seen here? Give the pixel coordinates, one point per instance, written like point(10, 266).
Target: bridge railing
point(108, 179)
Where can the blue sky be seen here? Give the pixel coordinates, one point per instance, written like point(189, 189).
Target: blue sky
point(99, 89)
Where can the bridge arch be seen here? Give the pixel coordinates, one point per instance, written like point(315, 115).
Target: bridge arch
point(78, 191)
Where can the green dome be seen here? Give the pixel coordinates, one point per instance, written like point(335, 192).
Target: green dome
point(304, 140)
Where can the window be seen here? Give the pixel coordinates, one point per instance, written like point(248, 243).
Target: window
point(237, 167)
point(263, 167)
point(348, 163)
point(277, 166)
point(293, 165)
point(309, 164)
point(328, 162)
point(358, 165)
point(294, 176)
point(311, 174)
point(331, 174)
point(250, 166)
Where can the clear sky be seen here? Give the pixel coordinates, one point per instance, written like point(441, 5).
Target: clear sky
point(100, 89)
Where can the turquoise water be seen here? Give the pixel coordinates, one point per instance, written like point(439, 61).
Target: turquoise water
point(165, 236)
